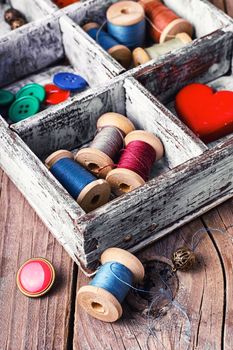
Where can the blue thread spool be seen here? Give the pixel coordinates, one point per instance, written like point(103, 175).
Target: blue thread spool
point(98, 161)
point(120, 52)
point(126, 23)
point(89, 192)
point(102, 298)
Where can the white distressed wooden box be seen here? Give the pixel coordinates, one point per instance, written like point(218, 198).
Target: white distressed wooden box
point(191, 178)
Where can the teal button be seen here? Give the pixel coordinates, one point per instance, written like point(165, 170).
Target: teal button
point(6, 97)
point(32, 89)
point(23, 108)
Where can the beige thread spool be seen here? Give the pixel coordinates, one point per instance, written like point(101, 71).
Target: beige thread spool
point(93, 159)
point(93, 195)
point(100, 303)
point(119, 52)
point(124, 180)
point(141, 56)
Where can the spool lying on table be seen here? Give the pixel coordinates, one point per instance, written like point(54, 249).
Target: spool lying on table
point(100, 155)
point(127, 177)
point(102, 298)
point(126, 23)
point(164, 23)
point(89, 192)
point(120, 52)
point(141, 56)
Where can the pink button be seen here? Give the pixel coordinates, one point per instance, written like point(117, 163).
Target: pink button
point(35, 277)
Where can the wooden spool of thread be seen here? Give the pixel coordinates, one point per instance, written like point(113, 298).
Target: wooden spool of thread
point(141, 56)
point(126, 23)
point(120, 52)
point(102, 298)
point(89, 192)
point(99, 156)
point(142, 150)
point(166, 24)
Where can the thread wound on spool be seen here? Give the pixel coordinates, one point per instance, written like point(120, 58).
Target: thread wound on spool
point(126, 23)
point(138, 157)
point(165, 24)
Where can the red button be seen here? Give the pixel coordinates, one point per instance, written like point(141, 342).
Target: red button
point(35, 277)
point(55, 95)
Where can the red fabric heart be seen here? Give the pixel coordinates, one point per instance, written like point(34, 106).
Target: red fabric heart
point(207, 113)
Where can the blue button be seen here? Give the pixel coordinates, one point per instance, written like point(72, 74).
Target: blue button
point(69, 81)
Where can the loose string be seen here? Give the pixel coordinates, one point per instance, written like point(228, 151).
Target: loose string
point(139, 157)
point(73, 177)
point(109, 140)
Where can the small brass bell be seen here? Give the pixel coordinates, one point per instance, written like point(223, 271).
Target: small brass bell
point(183, 259)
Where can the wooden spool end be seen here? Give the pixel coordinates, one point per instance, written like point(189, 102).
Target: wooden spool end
point(94, 161)
point(125, 13)
point(121, 54)
point(140, 56)
point(55, 156)
point(123, 181)
point(94, 195)
point(99, 303)
point(175, 27)
point(116, 120)
point(125, 258)
point(184, 37)
point(148, 137)
point(90, 26)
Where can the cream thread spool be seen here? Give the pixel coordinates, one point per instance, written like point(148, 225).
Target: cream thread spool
point(124, 180)
point(119, 52)
point(94, 194)
point(101, 303)
point(141, 56)
point(176, 26)
point(95, 160)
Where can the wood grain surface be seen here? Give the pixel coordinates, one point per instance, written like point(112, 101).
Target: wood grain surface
point(198, 317)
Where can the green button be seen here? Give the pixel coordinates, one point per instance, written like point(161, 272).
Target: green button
point(23, 108)
point(6, 97)
point(32, 89)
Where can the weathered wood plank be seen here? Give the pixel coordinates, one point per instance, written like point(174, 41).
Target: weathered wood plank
point(42, 323)
point(193, 321)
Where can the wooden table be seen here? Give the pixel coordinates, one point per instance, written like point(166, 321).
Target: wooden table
point(191, 310)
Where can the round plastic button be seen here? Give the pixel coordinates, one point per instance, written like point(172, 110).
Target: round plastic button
point(32, 89)
point(35, 277)
point(55, 95)
point(69, 81)
point(6, 97)
point(23, 108)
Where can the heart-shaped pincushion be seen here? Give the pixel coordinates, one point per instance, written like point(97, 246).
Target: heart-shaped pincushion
point(207, 113)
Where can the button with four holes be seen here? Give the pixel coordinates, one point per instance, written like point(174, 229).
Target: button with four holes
point(69, 81)
point(6, 97)
point(35, 277)
point(32, 89)
point(55, 95)
point(23, 108)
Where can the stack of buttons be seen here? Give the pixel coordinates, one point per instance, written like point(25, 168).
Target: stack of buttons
point(30, 97)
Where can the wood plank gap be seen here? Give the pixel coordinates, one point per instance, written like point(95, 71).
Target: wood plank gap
point(72, 308)
point(224, 280)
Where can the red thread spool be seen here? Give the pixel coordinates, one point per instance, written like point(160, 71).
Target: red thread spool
point(142, 150)
point(166, 24)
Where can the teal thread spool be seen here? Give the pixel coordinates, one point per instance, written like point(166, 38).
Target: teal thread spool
point(126, 23)
point(102, 298)
point(120, 52)
point(89, 192)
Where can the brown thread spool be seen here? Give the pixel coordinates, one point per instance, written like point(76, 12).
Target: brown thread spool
point(100, 303)
point(141, 56)
point(95, 160)
point(166, 24)
point(119, 52)
point(124, 180)
point(94, 194)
